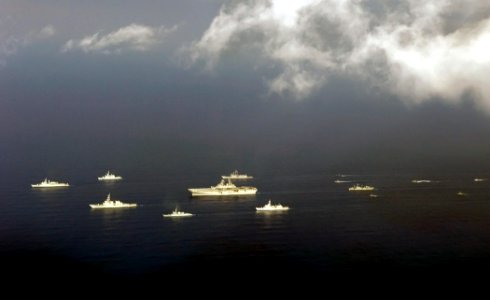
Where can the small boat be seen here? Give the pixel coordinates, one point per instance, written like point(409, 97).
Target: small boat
point(421, 181)
point(235, 175)
point(359, 187)
point(479, 179)
point(46, 183)
point(269, 207)
point(341, 181)
point(177, 214)
point(108, 203)
point(461, 194)
point(109, 176)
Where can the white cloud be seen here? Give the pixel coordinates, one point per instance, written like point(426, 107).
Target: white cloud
point(443, 66)
point(10, 43)
point(416, 49)
point(134, 37)
point(46, 32)
point(296, 80)
point(225, 26)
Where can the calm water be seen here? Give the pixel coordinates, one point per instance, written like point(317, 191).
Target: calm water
point(327, 231)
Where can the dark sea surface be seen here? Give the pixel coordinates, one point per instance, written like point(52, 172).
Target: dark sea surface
point(408, 229)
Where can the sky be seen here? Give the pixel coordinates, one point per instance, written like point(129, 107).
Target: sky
point(271, 85)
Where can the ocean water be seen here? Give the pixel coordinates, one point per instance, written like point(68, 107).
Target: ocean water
point(408, 228)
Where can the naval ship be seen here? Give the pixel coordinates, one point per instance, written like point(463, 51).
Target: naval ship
point(358, 187)
point(176, 214)
point(235, 175)
point(269, 207)
point(109, 176)
point(108, 203)
point(46, 183)
point(223, 188)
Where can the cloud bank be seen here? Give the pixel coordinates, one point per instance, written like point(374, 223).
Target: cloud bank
point(134, 37)
point(415, 49)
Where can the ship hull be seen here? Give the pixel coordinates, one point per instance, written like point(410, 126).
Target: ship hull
point(177, 216)
point(49, 186)
point(95, 206)
point(224, 192)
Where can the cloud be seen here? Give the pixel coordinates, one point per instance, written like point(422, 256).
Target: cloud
point(46, 32)
point(415, 49)
point(10, 43)
point(134, 37)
